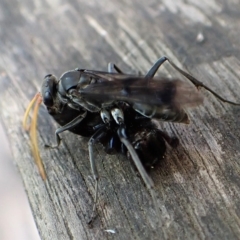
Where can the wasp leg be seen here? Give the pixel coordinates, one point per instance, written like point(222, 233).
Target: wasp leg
point(94, 139)
point(147, 180)
point(172, 141)
point(112, 68)
point(113, 145)
point(196, 82)
point(119, 119)
point(155, 67)
point(68, 126)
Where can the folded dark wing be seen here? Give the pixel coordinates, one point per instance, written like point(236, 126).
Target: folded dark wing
point(157, 92)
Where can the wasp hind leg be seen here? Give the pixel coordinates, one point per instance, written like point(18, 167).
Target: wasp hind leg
point(145, 177)
point(192, 79)
point(112, 68)
point(155, 67)
point(172, 141)
point(118, 116)
point(97, 136)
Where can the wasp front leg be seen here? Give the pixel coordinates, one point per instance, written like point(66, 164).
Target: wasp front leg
point(66, 127)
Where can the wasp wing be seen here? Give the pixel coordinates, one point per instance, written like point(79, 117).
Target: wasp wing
point(142, 90)
point(109, 76)
point(163, 98)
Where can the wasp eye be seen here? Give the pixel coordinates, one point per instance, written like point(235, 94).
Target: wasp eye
point(48, 76)
point(49, 90)
point(48, 99)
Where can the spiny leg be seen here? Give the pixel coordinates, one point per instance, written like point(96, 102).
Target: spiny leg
point(112, 68)
point(119, 119)
point(155, 67)
point(196, 82)
point(147, 180)
point(95, 138)
point(172, 141)
point(66, 127)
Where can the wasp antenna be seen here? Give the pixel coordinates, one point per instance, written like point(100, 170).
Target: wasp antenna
point(199, 84)
point(219, 97)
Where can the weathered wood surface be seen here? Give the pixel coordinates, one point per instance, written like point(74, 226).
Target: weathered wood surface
point(198, 183)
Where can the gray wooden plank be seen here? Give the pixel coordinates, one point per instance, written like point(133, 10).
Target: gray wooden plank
point(197, 183)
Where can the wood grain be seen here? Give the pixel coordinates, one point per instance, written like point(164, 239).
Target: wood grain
point(198, 183)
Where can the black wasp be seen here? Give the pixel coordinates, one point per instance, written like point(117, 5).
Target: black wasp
point(116, 110)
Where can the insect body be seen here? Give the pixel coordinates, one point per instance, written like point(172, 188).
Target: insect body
point(116, 110)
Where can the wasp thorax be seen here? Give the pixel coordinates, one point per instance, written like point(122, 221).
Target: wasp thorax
point(68, 81)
